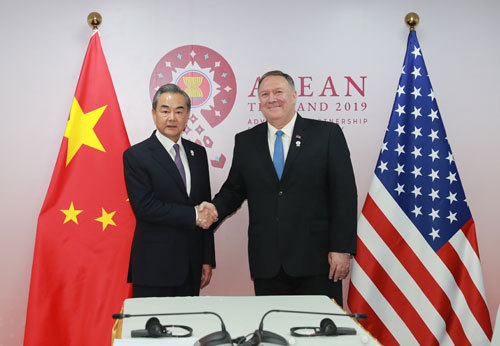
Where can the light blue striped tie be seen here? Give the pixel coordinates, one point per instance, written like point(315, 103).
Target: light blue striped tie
point(279, 156)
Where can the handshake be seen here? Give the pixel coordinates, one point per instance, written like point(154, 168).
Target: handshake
point(207, 215)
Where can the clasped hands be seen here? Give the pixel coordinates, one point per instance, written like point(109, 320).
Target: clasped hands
point(207, 215)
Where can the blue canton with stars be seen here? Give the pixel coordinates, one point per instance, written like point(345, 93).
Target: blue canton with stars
point(416, 164)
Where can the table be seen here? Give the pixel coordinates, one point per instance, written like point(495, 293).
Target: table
point(241, 316)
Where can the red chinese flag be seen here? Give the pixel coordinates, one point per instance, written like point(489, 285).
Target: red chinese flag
point(86, 224)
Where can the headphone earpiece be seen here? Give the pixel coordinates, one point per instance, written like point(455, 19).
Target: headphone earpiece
point(327, 327)
point(154, 327)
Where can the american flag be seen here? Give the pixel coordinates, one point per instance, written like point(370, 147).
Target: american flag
point(417, 273)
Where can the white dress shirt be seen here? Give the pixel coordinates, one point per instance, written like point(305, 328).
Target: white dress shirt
point(168, 144)
point(286, 137)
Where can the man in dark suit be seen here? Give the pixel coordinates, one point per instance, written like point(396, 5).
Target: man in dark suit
point(167, 177)
point(297, 176)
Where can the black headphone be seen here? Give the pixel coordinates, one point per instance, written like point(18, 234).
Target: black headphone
point(155, 329)
point(326, 327)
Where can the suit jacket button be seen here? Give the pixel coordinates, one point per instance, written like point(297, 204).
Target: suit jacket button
point(280, 193)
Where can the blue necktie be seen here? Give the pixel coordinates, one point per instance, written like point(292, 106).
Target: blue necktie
point(279, 156)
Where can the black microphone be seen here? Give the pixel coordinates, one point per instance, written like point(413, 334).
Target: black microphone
point(261, 335)
point(213, 339)
point(358, 316)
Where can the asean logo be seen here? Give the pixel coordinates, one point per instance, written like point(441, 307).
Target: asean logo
point(210, 83)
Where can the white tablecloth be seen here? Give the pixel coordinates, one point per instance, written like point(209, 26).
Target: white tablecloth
point(241, 316)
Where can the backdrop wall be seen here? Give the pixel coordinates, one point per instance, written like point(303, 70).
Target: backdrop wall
point(346, 59)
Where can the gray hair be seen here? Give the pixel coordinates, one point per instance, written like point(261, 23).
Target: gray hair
point(278, 73)
point(171, 89)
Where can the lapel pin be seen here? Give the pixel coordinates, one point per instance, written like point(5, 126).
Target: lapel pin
point(297, 144)
point(192, 153)
point(298, 137)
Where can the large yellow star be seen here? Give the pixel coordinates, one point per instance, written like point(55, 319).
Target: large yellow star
point(106, 219)
point(71, 214)
point(80, 129)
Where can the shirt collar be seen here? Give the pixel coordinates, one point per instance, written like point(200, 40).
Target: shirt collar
point(166, 142)
point(287, 129)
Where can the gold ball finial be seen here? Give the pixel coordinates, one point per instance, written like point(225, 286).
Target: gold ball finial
point(412, 20)
point(94, 19)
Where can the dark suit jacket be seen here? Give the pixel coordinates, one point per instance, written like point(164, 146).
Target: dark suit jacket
point(166, 241)
point(295, 222)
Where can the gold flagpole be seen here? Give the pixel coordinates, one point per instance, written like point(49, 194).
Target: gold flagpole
point(94, 19)
point(412, 20)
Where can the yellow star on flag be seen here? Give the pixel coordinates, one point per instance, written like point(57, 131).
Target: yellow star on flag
point(80, 129)
point(71, 214)
point(106, 219)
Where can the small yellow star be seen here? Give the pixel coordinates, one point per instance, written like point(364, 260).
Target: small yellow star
point(71, 214)
point(106, 219)
point(80, 129)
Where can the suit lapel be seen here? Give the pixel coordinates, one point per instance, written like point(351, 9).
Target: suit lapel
point(192, 162)
point(296, 143)
point(262, 148)
point(163, 158)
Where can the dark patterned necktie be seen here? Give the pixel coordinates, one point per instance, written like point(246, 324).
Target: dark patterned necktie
point(178, 163)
